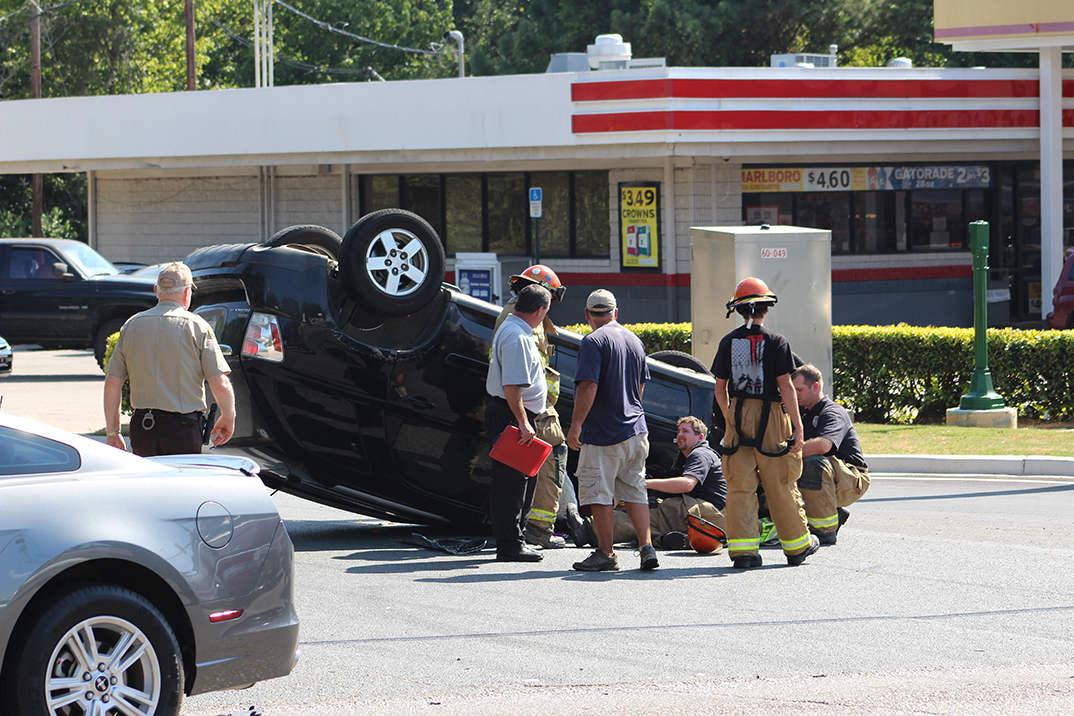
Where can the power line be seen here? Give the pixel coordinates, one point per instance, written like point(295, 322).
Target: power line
point(331, 28)
point(294, 63)
point(44, 10)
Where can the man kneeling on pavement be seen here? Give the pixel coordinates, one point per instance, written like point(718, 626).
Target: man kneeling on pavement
point(700, 491)
point(834, 473)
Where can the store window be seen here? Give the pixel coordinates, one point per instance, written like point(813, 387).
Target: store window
point(462, 201)
point(554, 231)
point(880, 221)
point(592, 220)
point(827, 210)
point(380, 192)
point(936, 220)
point(508, 212)
point(421, 194)
point(490, 212)
point(875, 209)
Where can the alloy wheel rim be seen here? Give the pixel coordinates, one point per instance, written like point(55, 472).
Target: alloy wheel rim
point(397, 262)
point(102, 666)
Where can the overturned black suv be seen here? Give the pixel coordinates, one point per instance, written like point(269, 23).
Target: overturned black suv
point(360, 375)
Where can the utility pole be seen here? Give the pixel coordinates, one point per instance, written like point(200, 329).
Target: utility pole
point(191, 69)
point(37, 182)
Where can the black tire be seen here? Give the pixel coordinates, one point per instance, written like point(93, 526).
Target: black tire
point(308, 235)
point(681, 360)
point(110, 615)
point(100, 340)
point(392, 262)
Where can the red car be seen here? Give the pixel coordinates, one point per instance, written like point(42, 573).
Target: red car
point(1062, 313)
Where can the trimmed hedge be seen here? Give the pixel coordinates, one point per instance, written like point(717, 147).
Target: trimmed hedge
point(906, 374)
point(654, 336)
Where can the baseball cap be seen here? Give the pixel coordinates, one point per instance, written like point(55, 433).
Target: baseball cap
point(600, 301)
point(175, 275)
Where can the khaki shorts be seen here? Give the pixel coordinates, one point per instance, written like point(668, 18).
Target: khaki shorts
point(607, 473)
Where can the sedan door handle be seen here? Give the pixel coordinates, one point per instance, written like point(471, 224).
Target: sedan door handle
point(418, 402)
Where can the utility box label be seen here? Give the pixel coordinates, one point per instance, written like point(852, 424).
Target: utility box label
point(773, 253)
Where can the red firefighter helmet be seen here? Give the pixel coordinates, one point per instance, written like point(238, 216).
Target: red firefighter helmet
point(704, 536)
point(750, 291)
point(539, 273)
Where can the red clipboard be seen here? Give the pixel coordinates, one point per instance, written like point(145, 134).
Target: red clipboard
point(527, 459)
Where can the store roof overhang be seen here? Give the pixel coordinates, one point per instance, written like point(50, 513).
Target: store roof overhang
point(484, 121)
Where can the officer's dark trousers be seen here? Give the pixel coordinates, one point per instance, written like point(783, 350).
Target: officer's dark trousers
point(511, 492)
point(171, 433)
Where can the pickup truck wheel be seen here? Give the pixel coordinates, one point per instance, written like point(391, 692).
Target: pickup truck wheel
point(100, 341)
point(681, 360)
point(392, 262)
point(308, 235)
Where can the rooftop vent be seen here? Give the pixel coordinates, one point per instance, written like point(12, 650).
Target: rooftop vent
point(900, 62)
point(609, 52)
point(568, 62)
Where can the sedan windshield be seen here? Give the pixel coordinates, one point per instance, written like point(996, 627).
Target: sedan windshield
point(89, 261)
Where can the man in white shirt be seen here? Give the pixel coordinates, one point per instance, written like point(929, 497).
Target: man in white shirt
point(517, 394)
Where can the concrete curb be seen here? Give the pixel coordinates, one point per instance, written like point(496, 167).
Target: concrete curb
point(1022, 466)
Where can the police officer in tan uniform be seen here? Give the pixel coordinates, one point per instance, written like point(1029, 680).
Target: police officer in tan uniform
point(168, 353)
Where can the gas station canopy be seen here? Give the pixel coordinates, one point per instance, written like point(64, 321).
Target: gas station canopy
point(1004, 26)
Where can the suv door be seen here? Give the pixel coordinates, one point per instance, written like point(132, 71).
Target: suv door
point(37, 305)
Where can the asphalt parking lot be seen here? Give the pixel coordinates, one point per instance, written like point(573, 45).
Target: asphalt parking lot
point(62, 388)
point(944, 596)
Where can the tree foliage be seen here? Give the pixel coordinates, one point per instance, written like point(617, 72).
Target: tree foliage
point(94, 47)
point(518, 36)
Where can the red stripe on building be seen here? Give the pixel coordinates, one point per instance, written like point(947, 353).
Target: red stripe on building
point(805, 120)
point(807, 88)
point(903, 273)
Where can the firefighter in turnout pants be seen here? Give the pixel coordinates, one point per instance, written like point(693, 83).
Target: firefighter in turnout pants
point(763, 438)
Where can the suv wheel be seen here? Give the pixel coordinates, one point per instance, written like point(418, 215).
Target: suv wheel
point(308, 235)
point(681, 360)
point(392, 262)
point(100, 340)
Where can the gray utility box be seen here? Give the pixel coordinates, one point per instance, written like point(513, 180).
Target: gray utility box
point(795, 262)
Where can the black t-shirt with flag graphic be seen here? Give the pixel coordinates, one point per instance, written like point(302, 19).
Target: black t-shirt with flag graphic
point(750, 360)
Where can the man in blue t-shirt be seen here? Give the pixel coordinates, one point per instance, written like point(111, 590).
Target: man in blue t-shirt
point(608, 428)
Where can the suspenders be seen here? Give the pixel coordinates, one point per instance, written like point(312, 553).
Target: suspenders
point(756, 442)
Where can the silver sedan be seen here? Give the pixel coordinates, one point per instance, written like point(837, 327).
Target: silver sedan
point(126, 583)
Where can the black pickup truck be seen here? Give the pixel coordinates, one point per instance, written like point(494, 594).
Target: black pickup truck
point(56, 292)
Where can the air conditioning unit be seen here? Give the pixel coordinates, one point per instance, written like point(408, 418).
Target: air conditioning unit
point(803, 59)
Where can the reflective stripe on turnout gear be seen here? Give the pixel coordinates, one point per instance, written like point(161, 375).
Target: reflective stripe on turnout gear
point(796, 545)
point(546, 516)
point(743, 545)
point(824, 522)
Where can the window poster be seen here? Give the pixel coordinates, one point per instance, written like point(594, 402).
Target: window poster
point(639, 225)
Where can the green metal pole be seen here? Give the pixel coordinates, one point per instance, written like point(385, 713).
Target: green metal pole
point(981, 395)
